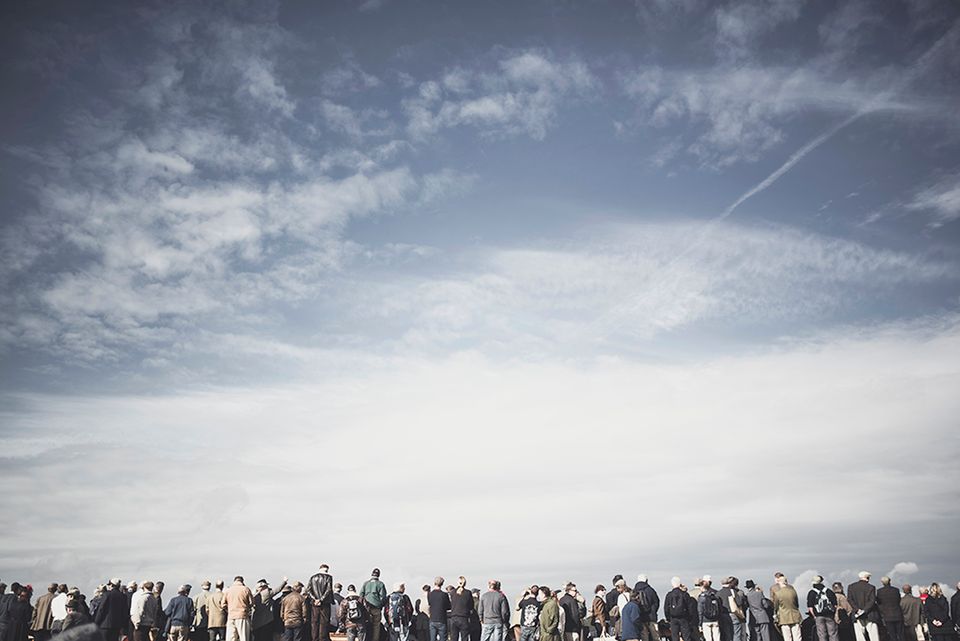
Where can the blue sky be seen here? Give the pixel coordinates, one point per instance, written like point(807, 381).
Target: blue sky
point(487, 256)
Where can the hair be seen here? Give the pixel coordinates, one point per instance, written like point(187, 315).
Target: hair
point(238, 578)
point(885, 580)
point(219, 584)
point(838, 587)
point(777, 575)
point(545, 591)
point(62, 588)
point(461, 584)
point(425, 588)
point(351, 588)
point(675, 582)
point(438, 581)
point(324, 566)
point(818, 579)
point(494, 584)
point(50, 588)
point(642, 577)
point(147, 585)
point(617, 577)
point(907, 588)
point(375, 572)
point(935, 590)
point(398, 586)
point(600, 588)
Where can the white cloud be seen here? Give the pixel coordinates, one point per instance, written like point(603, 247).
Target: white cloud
point(941, 200)
point(706, 430)
point(521, 97)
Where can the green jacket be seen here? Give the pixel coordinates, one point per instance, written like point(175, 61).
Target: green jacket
point(374, 592)
point(550, 620)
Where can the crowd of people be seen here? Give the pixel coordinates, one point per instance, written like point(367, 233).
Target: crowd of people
point(314, 611)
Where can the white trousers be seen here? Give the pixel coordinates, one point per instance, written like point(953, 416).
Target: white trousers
point(870, 628)
point(238, 629)
point(790, 632)
point(711, 630)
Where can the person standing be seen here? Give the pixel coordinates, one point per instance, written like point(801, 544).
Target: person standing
point(888, 604)
point(822, 606)
point(910, 609)
point(708, 610)
point(760, 609)
point(263, 620)
point(18, 615)
point(239, 602)
point(335, 606)
point(113, 614)
point(572, 615)
point(399, 613)
point(598, 611)
point(201, 620)
point(42, 623)
point(353, 615)
point(293, 612)
point(549, 616)
point(494, 613)
point(180, 613)
point(320, 592)
point(529, 608)
point(143, 612)
point(461, 609)
point(439, 602)
point(938, 614)
point(733, 605)
point(613, 609)
point(631, 619)
point(217, 614)
point(75, 616)
point(675, 611)
point(862, 596)
point(786, 605)
point(649, 602)
point(374, 593)
point(58, 608)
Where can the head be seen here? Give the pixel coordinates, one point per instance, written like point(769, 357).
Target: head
point(570, 588)
point(205, 585)
point(675, 582)
point(297, 586)
point(935, 590)
point(781, 580)
point(617, 579)
point(158, 588)
point(545, 593)
point(706, 581)
point(351, 589)
point(338, 587)
point(838, 587)
point(438, 582)
point(885, 581)
point(399, 587)
point(642, 578)
point(147, 586)
point(924, 590)
point(907, 589)
point(52, 588)
point(324, 568)
point(62, 588)
point(425, 588)
point(184, 589)
point(262, 584)
point(219, 585)
point(238, 579)
point(864, 576)
point(621, 586)
point(73, 605)
point(600, 590)
point(683, 588)
point(132, 586)
point(749, 584)
point(375, 573)
point(818, 580)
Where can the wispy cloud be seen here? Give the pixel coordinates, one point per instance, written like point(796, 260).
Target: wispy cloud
point(521, 96)
point(941, 200)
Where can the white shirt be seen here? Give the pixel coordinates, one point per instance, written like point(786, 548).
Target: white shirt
point(58, 606)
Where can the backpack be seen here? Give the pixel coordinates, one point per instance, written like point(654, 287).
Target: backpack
point(643, 601)
point(354, 610)
point(398, 613)
point(678, 607)
point(824, 606)
point(530, 616)
point(711, 606)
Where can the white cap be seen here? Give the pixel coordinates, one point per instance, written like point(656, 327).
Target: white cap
point(675, 582)
point(642, 577)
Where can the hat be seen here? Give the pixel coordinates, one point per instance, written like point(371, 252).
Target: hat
point(297, 584)
point(205, 585)
point(376, 572)
point(287, 588)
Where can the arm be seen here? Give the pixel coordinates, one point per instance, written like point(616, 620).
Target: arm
point(480, 609)
point(327, 591)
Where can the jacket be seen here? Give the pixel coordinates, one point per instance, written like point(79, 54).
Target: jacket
point(759, 606)
point(675, 605)
point(863, 596)
point(42, 616)
point(216, 610)
point(113, 612)
point(180, 611)
point(262, 609)
point(345, 611)
point(910, 609)
point(239, 601)
point(461, 605)
point(650, 600)
point(598, 610)
point(813, 598)
point(494, 608)
point(786, 604)
point(702, 615)
point(572, 613)
point(293, 610)
point(955, 608)
point(143, 608)
point(201, 618)
point(406, 609)
point(550, 621)
point(631, 620)
point(937, 609)
point(374, 592)
point(320, 588)
point(888, 602)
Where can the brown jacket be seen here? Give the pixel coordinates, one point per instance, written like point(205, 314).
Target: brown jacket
point(787, 606)
point(293, 610)
point(216, 610)
point(42, 616)
point(239, 600)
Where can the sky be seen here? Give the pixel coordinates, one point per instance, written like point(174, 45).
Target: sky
point(530, 290)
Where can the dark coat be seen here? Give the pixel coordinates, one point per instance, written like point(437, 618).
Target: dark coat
point(630, 621)
point(113, 612)
point(937, 609)
point(888, 602)
point(675, 605)
point(955, 607)
point(320, 588)
point(863, 596)
point(651, 598)
point(571, 613)
point(550, 620)
point(761, 608)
